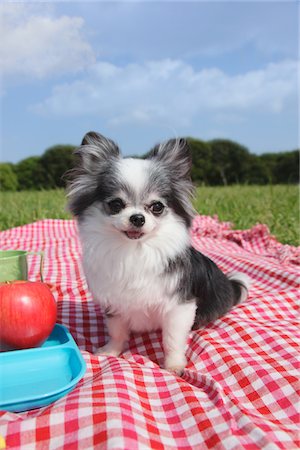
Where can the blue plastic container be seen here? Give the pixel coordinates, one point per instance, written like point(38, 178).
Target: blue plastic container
point(37, 377)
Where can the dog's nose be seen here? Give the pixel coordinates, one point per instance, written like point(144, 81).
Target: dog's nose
point(137, 220)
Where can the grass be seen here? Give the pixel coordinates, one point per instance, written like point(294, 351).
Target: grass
point(244, 206)
point(19, 208)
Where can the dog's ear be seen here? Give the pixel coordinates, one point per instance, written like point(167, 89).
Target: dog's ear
point(176, 155)
point(92, 160)
point(95, 149)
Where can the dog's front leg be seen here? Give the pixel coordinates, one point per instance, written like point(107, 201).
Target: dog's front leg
point(176, 328)
point(119, 334)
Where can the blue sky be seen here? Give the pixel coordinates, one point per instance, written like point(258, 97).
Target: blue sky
point(143, 71)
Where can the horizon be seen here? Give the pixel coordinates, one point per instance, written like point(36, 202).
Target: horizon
point(151, 71)
point(147, 150)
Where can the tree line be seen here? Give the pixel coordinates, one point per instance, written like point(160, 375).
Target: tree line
point(216, 162)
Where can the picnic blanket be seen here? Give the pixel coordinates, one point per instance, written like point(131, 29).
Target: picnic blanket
point(239, 389)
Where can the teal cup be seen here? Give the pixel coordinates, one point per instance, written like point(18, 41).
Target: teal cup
point(14, 264)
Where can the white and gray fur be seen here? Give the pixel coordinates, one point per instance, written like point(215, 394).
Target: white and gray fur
point(134, 217)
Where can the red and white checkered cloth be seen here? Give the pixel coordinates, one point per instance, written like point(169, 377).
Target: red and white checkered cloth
point(239, 389)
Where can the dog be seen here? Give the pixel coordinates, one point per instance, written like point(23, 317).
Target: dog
point(134, 217)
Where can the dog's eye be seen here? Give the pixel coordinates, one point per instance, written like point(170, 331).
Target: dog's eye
point(157, 208)
point(115, 206)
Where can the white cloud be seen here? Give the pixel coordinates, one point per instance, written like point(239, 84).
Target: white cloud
point(34, 43)
point(170, 91)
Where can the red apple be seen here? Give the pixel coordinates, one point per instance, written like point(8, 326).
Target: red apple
point(27, 314)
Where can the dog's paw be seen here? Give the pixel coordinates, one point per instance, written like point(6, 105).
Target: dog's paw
point(176, 370)
point(175, 364)
point(108, 350)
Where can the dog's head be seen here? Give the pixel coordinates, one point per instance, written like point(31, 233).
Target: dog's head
point(131, 196)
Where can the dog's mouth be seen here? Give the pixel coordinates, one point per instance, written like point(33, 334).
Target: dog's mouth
point(133, 234)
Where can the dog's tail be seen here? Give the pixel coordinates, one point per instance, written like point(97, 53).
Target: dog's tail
point(241, 284)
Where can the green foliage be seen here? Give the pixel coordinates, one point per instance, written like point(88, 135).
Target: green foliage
point(257, 171)
point(283, 167)
point(31, 174)
point(56, 161)
point(202, 160)
point(8, 178)
point(225, 162)
point(215, 163)
point(229, 162)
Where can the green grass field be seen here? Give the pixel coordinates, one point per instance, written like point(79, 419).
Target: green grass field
point(244, 206)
